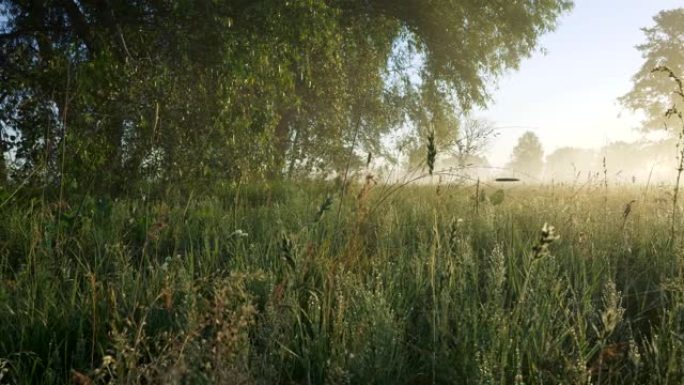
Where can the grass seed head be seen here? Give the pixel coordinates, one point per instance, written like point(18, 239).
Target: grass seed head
point(431, 151)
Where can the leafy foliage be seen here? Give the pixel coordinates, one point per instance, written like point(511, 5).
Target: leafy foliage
point(109, 96)
point(473, 138)
point(652, 91)
point(528, 155)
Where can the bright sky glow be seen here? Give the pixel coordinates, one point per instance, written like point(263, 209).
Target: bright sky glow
point(568, 97)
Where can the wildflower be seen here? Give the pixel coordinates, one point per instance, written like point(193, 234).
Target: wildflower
point(4, 368)
point(582, 237)
point(519, 379)
point(108, 360)
point(239, 234)
point(548, 236)
point(633, 354)
point(613, 311)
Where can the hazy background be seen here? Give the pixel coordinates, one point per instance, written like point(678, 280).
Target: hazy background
point(567, 96)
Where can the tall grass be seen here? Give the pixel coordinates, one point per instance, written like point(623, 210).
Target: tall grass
point(415, 288)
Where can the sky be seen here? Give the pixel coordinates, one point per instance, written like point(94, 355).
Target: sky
point(568, 96)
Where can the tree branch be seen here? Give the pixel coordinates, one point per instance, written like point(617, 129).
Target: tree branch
point(79, 23)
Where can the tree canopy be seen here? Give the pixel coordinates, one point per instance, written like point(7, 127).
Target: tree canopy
point(567, 163)
point(103, 95)
point(528, 155)
point(654, 92)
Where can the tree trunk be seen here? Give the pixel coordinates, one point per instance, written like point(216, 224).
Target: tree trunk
point(282, 142)
point(293, 156)
point(3, 167)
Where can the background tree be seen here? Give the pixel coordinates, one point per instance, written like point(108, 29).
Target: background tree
point(103, 96)
point(567, 163)
point(652, 92)
point(3, 171)
point(528, 156)
point(474, 135)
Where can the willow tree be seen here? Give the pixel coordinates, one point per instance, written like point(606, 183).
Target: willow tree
point(108, 94)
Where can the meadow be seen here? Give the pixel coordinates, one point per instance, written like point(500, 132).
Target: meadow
point(299, 284)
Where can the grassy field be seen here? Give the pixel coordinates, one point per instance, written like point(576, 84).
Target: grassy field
point(280, 284)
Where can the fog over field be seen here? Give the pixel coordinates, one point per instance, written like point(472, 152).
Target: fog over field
point(586, 100)
point(569, 96)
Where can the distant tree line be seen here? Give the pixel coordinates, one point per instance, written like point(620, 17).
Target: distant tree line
point(655, 93)
point(638, 162)
point(632, 162)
